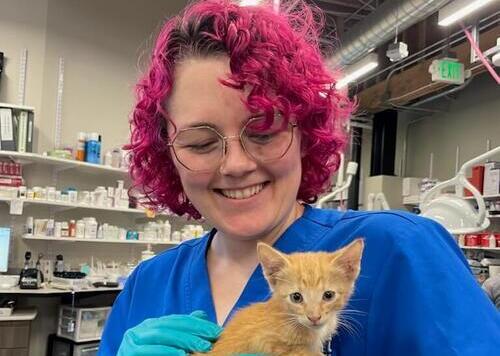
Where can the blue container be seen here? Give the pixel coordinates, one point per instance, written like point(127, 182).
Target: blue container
point(93, 149)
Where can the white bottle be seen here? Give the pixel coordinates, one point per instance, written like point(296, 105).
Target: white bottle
point(167, 228)
point(100, 232)
point(91, 228)
point(80, 229)
point(108, 159)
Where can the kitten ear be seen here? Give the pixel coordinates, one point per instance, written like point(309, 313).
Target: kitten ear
point(272, 261)
point(348, 258)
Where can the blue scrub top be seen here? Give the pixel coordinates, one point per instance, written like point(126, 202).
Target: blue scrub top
point(415, 294)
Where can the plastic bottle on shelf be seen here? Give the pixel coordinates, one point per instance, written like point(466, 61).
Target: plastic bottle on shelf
point(80, 229)
point(80, 146)
point(72, 228)
point(100, 232)
point(90, 228)
point(93, 149)
point(59, 263)
point(29, 225)
point(108, 159)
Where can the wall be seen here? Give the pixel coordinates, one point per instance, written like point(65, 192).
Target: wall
point(467, 121)
point(102, 43)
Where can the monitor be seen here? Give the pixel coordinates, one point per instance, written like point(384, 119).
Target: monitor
point(4, 248)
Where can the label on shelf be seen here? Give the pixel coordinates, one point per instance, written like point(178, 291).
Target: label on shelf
point(16, 207)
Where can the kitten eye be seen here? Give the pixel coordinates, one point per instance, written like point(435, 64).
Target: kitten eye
point(296, 297)
point(328, 295)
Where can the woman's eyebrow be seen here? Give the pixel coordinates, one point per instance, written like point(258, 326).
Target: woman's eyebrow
point(201, 124)
point(197, 124)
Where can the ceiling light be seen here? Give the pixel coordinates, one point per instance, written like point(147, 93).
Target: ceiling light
point(357, 70)
point(458, 9)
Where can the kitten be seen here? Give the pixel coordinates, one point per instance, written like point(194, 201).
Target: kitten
point(309, 290)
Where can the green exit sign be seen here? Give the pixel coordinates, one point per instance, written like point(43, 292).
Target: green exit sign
point(447, 70)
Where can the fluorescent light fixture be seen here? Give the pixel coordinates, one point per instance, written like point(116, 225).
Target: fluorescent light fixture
point(458, 9)
point(358, 69)
point(250, 2)
point(276, 3)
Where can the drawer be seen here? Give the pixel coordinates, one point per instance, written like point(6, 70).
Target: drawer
point(13, 352)
point(14, 335)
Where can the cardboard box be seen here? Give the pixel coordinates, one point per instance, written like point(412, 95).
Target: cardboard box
point(491, 182)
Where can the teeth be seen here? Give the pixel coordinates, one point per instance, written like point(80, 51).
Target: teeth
point(242, 193)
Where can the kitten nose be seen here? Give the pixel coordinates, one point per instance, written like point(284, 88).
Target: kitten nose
point(314, 319)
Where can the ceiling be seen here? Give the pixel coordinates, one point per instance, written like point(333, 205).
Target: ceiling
point(341, 15)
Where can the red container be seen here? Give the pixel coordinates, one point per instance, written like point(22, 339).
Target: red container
point(476, 180)
point(484, 239)
point(472, 240)
point(497, 237)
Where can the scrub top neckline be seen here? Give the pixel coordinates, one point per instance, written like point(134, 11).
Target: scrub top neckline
point(248, 293)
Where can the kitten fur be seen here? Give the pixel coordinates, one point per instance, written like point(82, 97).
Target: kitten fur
point(281, 326)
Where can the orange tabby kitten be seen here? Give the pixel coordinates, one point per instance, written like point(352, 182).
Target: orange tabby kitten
point(309, 290)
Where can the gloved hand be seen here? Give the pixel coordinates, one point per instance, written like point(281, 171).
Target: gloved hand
point(171, 335)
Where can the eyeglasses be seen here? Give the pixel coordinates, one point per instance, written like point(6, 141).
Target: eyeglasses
point(203, 148)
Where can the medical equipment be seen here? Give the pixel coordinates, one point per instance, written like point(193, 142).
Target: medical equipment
point(351, 170)
point(456, 214)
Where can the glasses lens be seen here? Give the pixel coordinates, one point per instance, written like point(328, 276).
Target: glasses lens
point(267, 140)
point(198, 149)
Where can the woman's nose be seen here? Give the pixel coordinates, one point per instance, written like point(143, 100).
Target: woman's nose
point(236, 161)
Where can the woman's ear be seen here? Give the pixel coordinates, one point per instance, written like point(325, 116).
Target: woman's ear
point(272, 261)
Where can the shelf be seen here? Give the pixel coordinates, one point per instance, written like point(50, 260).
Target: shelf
point(411, 201)
point(486, 197)
point(80, 206)
point(16, 107)
point(480, 248)
point(111, 241)
point(61, 163)
point(20, 314)
point(45, 291)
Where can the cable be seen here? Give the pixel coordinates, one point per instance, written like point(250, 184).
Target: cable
point(481, 56)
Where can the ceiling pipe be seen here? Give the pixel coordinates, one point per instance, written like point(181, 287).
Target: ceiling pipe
point(380, 26)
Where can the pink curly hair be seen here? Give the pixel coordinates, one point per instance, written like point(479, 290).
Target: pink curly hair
point(277, 55)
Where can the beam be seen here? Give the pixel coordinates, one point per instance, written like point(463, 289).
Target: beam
point(416, 82)
point(344, 14)
point(341, 3)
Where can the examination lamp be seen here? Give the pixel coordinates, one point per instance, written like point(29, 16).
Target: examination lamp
point(456, 214)
point(351, 170)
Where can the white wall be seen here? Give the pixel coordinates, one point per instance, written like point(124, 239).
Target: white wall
point(467, 121)
point(101, 43)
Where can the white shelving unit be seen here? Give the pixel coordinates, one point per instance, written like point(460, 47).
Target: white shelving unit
point(112, 241)
point(61, 164)
point(64, 205)
point(480, 248)
point(16, 107)
point(486, 197)
point(48, 290)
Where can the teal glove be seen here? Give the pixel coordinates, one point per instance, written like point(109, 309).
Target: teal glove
point(172, 335)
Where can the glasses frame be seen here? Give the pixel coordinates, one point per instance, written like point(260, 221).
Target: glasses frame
point(225, 139)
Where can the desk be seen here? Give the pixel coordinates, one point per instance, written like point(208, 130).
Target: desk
point(15, 332)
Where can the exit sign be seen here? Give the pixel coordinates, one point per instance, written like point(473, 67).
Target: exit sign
point(447, 70)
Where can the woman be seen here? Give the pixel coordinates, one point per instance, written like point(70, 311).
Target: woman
point(237, 121)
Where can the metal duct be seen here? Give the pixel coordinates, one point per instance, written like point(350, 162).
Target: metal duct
point(380, 27)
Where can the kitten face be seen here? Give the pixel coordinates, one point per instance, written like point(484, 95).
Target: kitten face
point(313, 287)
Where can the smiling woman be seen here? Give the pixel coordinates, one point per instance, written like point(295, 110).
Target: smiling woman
point(261, 69)
point(238, 120)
